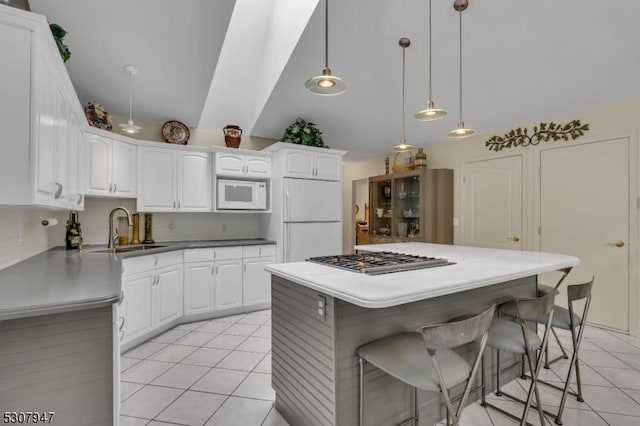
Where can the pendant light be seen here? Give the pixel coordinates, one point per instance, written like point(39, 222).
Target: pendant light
point(403, 145)
point(326, 84)
point(430, 112)
point(460, 131)
point(130, 127)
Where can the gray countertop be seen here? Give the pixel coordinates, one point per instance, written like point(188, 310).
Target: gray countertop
point(60, 280)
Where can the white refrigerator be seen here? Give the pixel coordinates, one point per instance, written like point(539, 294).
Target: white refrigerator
point(312, 219)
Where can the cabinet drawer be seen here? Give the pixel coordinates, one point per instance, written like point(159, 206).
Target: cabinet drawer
point(199, 255)
point(259, 251)
point(146, 263)
point(227, 253)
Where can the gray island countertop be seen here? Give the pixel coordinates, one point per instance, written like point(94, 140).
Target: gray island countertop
point(60, 280)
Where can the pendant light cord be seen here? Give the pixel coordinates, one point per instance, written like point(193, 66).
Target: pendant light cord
point(460, 34)
point(403, 73)
point(130, 97)
point(430, 72)
point(326, 33)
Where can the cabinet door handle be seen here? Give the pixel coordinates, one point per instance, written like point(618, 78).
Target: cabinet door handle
point(121, 298)
point(80, 197)
point(157, 279)
point(178, 203)
point(121, 335)
point(58, 191)
point(111, 188)
point(121, 327)
point(155, 263)
point(115, 187)
point(212, 269)
point(259, 251)
point(216, 270)
point(245, 267)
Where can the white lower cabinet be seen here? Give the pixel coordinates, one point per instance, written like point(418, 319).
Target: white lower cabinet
point(198, 287)
point(138, 311)
point(159, 289)
point(228, 284)
point(169, 293)
point(256, 282)
point(153, 293)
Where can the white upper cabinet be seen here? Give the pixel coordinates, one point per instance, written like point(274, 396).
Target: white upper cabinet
point(312, 165)
point(194, 181)
point(40, 118)
point(242, 165)
point(111, 167)
point(171, 180)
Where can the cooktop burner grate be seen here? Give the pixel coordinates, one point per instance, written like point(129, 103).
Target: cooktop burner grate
point(375, 263)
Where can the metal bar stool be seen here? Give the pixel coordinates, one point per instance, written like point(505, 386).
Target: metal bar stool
point(515, 337)
point(425, 360)
point(567, 319)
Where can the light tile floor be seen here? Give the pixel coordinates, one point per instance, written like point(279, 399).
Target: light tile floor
point(218, 372)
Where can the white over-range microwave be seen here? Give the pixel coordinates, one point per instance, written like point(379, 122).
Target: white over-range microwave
point(241, 195)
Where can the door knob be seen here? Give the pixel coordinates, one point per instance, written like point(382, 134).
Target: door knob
point(514, 239)
point(619, 243)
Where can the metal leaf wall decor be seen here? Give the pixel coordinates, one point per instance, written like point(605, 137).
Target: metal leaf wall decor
point(544, 132)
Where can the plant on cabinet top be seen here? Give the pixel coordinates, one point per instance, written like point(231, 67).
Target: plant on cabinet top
point(302, 132)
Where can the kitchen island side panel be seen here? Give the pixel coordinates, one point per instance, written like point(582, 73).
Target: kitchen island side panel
point(303, 372)
point(60, 362)
point(388, 401)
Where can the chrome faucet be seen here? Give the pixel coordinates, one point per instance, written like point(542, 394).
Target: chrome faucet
point(112, 236)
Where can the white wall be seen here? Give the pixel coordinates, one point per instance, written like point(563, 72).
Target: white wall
point(152, 131)
point(23, 236)
point(606, 122)
point(186, 226)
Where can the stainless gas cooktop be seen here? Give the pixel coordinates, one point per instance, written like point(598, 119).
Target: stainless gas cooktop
point(375, 263)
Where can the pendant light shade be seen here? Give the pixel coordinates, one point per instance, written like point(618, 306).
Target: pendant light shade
point(130, 127)
point(461, 131)
point(403, 145)
point(326, 83)
point(430, 112)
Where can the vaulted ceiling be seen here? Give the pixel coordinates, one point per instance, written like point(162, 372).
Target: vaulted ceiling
point(213, 62)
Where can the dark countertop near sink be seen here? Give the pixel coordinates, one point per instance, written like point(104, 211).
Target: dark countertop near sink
point(60, 280)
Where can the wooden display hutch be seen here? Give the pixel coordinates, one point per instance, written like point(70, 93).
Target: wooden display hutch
point(411, 206)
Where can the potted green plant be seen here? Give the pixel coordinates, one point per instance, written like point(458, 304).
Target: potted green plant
point(303, 132)
point(58, 34)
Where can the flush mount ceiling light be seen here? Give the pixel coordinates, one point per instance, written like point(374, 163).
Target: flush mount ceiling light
point(326, 84)
point(460, 131)
point(130, 127)
point(403, 145)
point(430, 112)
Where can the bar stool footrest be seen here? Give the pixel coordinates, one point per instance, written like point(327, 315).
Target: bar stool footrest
point(533, 406)
point(544, 382)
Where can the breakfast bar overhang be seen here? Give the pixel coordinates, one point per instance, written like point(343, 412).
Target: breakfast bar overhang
point(321, 315)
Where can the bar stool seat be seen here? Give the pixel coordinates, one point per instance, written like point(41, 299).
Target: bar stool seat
point(561, 317)
point(404, 357)
point(426, 361)
point(506, 335)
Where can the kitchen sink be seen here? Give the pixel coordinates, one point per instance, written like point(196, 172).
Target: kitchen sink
point(128, 249)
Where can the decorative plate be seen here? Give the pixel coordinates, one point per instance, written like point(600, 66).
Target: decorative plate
point(175, 132)
point(97, 116)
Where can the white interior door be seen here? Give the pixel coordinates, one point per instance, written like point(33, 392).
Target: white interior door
point(312, 200)
point(493, 203)
point(584, 211)
point(305, 240)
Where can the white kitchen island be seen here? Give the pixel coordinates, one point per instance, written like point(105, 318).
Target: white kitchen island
point(321, 315)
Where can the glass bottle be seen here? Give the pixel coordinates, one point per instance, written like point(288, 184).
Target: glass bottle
point(148, 229)
point(135, 237)
point(421, 159)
